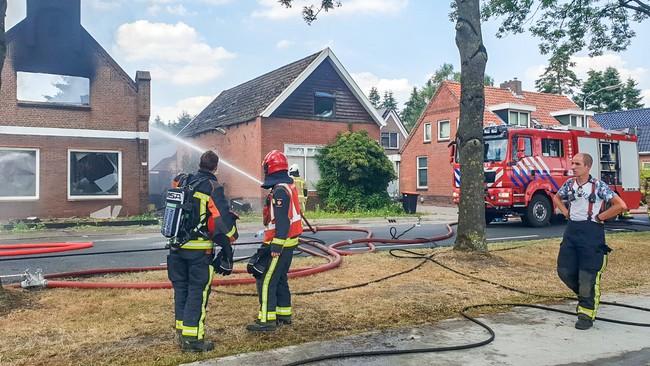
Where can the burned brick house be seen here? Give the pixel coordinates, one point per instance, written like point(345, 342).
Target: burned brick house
point(73, 124)
point(296, 109)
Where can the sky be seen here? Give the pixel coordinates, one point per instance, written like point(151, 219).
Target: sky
point(194, 49)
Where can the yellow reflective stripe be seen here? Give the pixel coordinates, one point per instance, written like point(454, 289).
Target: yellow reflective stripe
point(202, 207)
point(590, 313)
point(265, 289)
point(232, 231)
point(271, 316)
point(284, 311)
point(179, 324)
point(201, 196)
point(278, 241)
point(198, 244)
point(204, 303)
point(190, 331)
point(289, 242)
point(597, 286)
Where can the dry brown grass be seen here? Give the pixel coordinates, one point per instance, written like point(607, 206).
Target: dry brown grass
point(127, 327)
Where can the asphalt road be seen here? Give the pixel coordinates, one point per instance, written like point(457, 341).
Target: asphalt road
point(68, 261)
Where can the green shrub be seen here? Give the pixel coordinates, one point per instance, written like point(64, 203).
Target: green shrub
point(355, 174)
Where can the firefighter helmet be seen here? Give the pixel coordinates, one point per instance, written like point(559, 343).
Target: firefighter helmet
point(274, 161)
point(294, 170)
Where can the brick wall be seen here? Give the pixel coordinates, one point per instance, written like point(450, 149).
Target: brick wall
point(445, 106)
point(116, 103)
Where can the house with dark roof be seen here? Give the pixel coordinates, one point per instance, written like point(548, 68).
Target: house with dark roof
point(297, 109)
point(638, 119)
point(392, 136)
point(73, 124)
point(424, 166)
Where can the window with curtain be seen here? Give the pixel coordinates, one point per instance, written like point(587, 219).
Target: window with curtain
point(20, 173)
point(444, 130)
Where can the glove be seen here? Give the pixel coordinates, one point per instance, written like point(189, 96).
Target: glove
point(258, 262)
point(223, 261)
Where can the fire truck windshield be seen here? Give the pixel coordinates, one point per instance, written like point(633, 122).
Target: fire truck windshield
point(495, 149)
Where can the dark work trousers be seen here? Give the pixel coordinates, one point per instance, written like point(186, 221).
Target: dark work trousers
point(581, 262)
point(273, 287)
point(190, 272)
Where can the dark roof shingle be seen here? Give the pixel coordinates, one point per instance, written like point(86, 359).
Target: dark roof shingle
point(639, 118)
point(248, 100)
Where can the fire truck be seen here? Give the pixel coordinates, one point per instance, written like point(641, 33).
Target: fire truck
point(525, 167)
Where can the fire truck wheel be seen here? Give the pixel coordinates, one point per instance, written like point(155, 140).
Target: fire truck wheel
point(538, 212)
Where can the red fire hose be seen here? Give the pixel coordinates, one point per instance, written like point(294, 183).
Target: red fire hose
point(331, 253)
point(41, 248)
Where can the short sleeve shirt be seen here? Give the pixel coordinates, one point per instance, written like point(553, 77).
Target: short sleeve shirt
point(579, 208)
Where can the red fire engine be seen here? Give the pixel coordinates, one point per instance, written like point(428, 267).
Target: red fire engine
point(525, 167)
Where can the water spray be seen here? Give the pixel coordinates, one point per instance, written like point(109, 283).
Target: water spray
point(201, 150)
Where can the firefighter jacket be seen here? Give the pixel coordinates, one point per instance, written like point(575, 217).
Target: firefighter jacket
point(300, 187)
point(215, 219)
point(282, 217)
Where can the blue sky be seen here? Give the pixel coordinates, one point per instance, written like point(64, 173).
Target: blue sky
point(196, 48)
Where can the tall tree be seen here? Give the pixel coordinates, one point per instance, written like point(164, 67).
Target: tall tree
point(469, 139)
point(374, 97)
point(173, 126)
point(412, 109)
point(632, 95)
point(389, 101)
point(570, 26)
point(605, 92)
point(3, 45)
point(558, 78)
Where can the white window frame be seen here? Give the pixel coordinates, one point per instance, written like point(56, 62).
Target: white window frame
point(97, 198)
point(424, 132)
point(304, 156)
point(518, 115)
point(439, 124)
point(417, 171)
point(645, 165)
point(396, 147)
point(38, 176)
point(581, 118)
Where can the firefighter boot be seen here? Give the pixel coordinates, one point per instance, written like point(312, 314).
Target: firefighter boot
point(259, 326)
point(191, 344)
point(584, 322)
point(284, 319)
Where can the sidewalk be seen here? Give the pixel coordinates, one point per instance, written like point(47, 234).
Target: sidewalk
point(524, 336)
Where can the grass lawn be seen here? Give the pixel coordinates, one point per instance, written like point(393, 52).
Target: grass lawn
point(131, 327)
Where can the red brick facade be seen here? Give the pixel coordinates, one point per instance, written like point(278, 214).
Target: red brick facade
point(117, 103)
point(445, 106)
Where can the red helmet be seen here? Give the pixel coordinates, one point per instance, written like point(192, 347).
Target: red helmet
point(274, 161)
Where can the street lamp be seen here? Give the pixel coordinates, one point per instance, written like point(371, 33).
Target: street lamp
point(584, 101)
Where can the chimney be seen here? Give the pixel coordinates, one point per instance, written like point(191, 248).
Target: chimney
point(513, 85)
point(143, 83)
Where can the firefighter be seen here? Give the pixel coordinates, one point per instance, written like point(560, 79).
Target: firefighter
point(190, 266)
point(282, 221)
point(583, 252)
point(294, 172)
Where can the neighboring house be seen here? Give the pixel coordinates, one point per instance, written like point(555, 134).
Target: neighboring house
point(392, 136)
point(425, 162)
point(296, 109)
point(81, 148)
point(637, 118)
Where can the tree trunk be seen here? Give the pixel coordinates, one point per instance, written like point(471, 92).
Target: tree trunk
point(3, 46)
point(469, 138)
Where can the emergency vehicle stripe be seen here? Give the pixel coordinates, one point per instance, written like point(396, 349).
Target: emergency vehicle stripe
point(520, 168)
point(513, 180)
point(457, 177)
point(548, 173)
point(497, 179)
point(265, 289)
point(204, 303)
point(515, 171)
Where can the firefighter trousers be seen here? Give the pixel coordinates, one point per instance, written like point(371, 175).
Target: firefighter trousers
point(273, 287)
point(581, 262)
point(190, 272)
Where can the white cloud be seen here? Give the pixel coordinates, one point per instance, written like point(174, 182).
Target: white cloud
point(272, 9)
point(192, 105)
point(401, 88)
point(600, 63)
point(16, 11)
point(285, 43)
point(105, 5)
point(646, 97)
point(173, 52)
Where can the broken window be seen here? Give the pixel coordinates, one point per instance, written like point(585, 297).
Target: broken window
point(95, 174)
point(50, 88)
point(19, 178)
point(324, 104)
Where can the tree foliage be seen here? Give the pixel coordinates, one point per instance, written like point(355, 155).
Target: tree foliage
point(374, 97)
point(570, 26)
point(558, 78)
point(355, 173)
point(173, 126)
point(389, 102)
point(605, 92)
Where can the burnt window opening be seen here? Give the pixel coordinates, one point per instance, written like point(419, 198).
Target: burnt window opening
point(20, 174)
point(94, 174)
point(324, 104)
point(52, 88)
